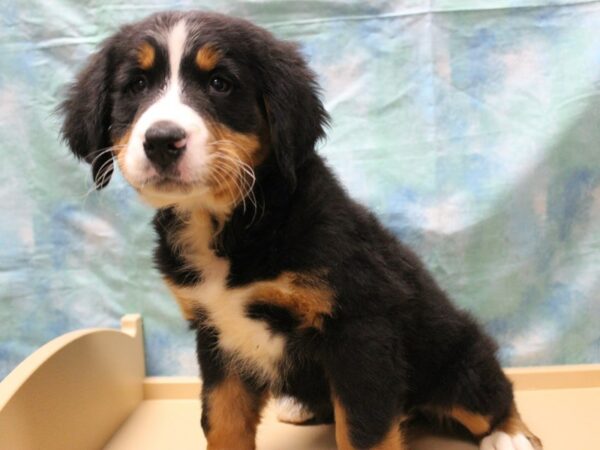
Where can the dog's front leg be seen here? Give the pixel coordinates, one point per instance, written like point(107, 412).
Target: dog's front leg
point(231, 405)
point(230, 413)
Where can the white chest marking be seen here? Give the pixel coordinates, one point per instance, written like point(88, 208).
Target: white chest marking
point(250, 341)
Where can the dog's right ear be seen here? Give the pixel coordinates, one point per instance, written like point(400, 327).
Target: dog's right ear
point(87, 112)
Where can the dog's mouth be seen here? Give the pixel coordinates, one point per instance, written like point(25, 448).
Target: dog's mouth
point(170, 181)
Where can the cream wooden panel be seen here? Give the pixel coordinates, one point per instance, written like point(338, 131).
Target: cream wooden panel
point(75, 391)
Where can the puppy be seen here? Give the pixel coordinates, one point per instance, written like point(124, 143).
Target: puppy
point(292, 287)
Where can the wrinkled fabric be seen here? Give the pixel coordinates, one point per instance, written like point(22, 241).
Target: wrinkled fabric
point(472, 129)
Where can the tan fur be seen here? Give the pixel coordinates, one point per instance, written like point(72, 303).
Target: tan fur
point(207, 58)
point(120, 142)
point(307, 296)
point(342, 434)
point(235, 155)
point(119, 145)
point(146, 56)
point(233, 415)
point(186, 304)
point(195, 239)
point(393, 440)
point(477, 424)
point(246, 146)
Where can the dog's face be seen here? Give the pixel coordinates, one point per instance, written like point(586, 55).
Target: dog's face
point(190, 105)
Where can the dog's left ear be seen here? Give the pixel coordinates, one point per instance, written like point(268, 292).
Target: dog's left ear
point(87, 111)
point(295, 113)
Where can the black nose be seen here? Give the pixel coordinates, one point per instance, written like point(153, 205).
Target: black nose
point(165, 143)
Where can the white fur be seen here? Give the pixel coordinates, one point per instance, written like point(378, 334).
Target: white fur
point(250, 341)
point(168, 106)
point(290, 410)
point(175, 45)
point(503, 441)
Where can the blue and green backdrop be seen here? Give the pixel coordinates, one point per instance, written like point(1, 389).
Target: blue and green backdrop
point(472, 129)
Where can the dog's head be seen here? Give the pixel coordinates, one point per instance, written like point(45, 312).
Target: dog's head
point(190, 104)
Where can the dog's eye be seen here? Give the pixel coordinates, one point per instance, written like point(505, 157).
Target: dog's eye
point(138, 84)
point(219, 84)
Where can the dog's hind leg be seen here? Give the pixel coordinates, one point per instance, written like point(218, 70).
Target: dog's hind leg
point(367, 385)
point(511, 433)
point(475, 392)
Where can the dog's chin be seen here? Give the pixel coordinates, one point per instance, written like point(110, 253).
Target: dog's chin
point(166, 191)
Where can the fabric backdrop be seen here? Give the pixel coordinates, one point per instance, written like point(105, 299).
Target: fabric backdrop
point(472, 129)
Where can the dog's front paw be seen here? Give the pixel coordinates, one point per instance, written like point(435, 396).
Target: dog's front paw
point(290, 410)
point(504, 441)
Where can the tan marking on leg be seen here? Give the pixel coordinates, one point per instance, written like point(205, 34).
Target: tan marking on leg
point(342, 435)
point(393, 440)
point(207, 57)
point(305, 295)
point(477, 424)
point(514, 425)
point(233, 415)
point(146, 56)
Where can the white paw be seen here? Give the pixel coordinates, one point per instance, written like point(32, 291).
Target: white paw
point(290, 410)
point(502, 441)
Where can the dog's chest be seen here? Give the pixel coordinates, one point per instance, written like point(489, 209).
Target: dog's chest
point(250, 341)
point(247, 341)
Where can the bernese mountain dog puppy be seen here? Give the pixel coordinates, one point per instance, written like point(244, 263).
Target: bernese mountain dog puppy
point(293, 288)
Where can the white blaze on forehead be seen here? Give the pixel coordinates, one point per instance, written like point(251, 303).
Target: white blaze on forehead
point(175, 45)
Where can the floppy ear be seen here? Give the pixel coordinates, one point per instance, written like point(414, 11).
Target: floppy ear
point(87, 111)
point(295, 113)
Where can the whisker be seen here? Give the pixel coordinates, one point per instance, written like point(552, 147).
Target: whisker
point(246, 182)
point(235, 144)
point(240, 181)
point(219, 166)
point(244, 189)
point(223, 177)
point(99, 155)
point(226, 161)
point(238, 162)
point(104, 171)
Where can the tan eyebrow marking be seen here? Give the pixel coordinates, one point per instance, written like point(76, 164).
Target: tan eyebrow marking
point(208, 57)
point(146, 56)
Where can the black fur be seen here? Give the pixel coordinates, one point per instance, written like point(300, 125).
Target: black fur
point(394, 344)
point(279, 319)
point(87, 115)
point(167, 260)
